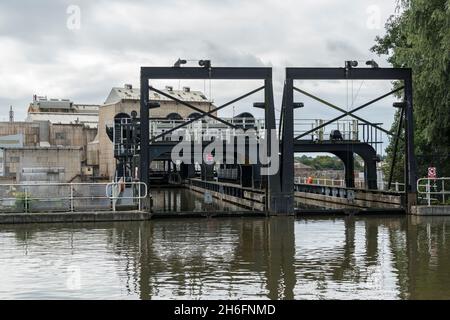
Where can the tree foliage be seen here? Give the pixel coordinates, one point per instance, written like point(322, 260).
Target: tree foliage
point(326, 162)
point(419, 37)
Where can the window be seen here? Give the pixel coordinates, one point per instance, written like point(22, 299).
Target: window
point(60, 136)
point(14, 159)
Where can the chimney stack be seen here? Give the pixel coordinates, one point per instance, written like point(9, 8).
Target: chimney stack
point(11, 114)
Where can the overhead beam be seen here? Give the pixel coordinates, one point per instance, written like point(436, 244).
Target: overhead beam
point(224, 73)
point(351, 73)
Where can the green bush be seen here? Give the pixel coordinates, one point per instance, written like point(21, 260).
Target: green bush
point(23, 203)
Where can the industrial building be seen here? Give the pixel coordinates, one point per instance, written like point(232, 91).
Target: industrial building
point(64, 141)
point(44, 145)
point(62, 111)
point(121, 102)
point(51, 145)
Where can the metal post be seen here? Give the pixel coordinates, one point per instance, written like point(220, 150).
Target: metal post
point(410, 165)
point(287, 151)
point(71, 197)
point(273, 192)
point(26, 200)
point(397, 138)
point(139, 195)
point(114, 192)
point(144, 115)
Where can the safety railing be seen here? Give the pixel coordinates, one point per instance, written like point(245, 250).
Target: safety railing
point(434, 191)
point(320, 181)
point(71, 197)
point(205, 130)
point(359, 183)
point(349, 129)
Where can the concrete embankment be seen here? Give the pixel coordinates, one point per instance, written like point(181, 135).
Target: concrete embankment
point(431, 210)
point(362, 200)
point(53, 217)
point(250, 200)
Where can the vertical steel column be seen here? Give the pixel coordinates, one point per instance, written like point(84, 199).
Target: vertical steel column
point(349, 164)
point(287, 147)
point(274, 202)
point(145, 135)
point(410, 163)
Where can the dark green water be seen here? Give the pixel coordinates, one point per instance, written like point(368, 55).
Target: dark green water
point(248, 258)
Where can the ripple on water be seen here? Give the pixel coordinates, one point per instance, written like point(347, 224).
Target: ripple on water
point(276, 258)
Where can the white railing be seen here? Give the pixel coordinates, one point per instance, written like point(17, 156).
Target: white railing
point(436, 190)
point(359, 183)
point(208, 127)
point(349, 129)
point(70, 197)
point(205, 130)
point(321, 181)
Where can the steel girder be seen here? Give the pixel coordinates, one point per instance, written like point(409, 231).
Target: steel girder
point(348, 73)
point(275, 201)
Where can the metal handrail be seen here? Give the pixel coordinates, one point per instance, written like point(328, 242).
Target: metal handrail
point(430, 183)
point(72, 197)
point(359, 183)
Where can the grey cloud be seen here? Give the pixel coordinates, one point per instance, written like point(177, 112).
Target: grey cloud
point(230, 33)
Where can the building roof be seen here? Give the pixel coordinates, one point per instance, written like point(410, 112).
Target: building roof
point(129, 93)
point(42, 104)
point(58, 148)
point(88, 119)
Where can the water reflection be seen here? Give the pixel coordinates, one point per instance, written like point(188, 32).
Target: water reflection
point(250, 258)
point(185, 200)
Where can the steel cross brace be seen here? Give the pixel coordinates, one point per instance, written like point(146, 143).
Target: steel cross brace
point(190, 106)
point(348, 73)
point(204, 114)
point(346, 113)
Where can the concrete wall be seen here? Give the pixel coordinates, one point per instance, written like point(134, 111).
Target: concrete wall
point(431, 210)
point(29, 130)
point(55, 139)
point(18, 161)
point(74, 135)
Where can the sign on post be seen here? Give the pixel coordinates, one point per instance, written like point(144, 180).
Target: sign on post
point(432, 172)
point(209, 159)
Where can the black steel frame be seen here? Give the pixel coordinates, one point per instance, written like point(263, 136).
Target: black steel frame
point(275, 202)
point(287, 115)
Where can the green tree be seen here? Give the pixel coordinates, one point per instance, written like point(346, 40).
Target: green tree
point(326, 162)
point(419, 37)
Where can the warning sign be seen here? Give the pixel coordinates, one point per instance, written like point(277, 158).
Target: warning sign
point(209, 159)
point(432, 172)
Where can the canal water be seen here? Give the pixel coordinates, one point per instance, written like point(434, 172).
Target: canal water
point(229, 258)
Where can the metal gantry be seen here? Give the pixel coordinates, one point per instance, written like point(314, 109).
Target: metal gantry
point(280, 186)
point(275, 199)
point(348, 73)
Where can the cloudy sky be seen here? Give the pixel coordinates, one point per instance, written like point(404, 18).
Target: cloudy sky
point(48, 49)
